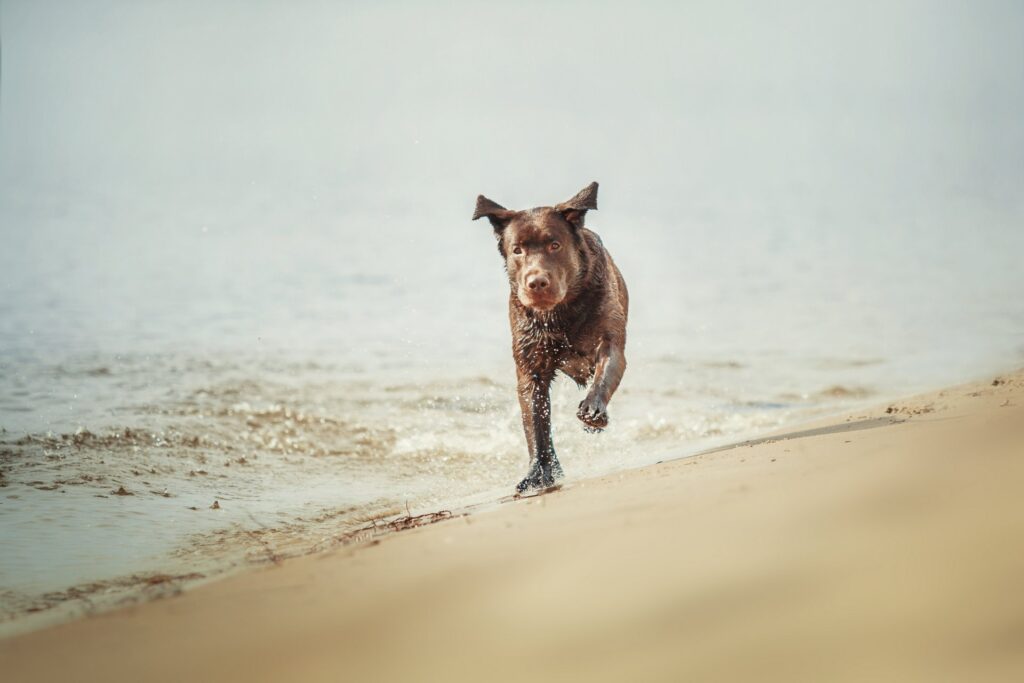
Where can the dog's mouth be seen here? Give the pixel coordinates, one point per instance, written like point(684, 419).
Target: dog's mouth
point(539, 301)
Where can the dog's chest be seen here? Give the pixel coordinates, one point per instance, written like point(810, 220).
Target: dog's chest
point(539, 344)
point(537, 340)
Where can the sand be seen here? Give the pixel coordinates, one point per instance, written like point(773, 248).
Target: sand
point(882, 545)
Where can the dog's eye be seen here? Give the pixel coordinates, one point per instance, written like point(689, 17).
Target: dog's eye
point(517, 250)
point(555, 246)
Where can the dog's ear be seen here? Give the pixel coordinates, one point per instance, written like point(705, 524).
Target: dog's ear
point(497, 214)
point(575, 210)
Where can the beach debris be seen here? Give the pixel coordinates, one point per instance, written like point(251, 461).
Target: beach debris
point(157, 579)
point(908, 410)
point(192, 507)
point(399, 524)
point(118, 587)
point(216, 505)
point(165, 493)
point(122, 491)
point(410, 522)
point(997, 381)
point(270, 553)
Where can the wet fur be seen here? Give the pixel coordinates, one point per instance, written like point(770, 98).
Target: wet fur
point(583, 336)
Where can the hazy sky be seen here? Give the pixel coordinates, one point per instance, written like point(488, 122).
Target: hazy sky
point(404, 105)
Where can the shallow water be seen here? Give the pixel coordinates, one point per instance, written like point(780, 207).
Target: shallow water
point(314, 336)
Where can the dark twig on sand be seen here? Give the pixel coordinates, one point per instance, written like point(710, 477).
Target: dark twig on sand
point(401, 524)
point(271, 554)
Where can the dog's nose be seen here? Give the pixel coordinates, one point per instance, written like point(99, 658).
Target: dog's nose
point(536, 282)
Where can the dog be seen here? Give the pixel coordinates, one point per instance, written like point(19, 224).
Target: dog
point(567, 307)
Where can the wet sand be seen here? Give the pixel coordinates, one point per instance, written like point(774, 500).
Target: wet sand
point(880, 545)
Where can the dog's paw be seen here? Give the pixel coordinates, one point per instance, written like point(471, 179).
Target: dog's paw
point(593, 414)
point(540, 476)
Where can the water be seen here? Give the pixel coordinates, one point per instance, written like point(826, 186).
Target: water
point(243, 274)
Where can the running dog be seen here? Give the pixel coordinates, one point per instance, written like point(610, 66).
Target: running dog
point(567, 307)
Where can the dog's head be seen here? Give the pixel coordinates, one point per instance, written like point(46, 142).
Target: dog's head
point(541, 246)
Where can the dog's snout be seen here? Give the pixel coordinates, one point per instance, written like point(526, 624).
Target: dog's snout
point(538, 282)
point(540, 289)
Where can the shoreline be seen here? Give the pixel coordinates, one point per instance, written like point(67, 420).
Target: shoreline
point(101, 512)
point(229, 550)
point(632, 558)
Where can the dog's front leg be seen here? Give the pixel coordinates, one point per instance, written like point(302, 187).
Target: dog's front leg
point(611, 364)
point(535, 403)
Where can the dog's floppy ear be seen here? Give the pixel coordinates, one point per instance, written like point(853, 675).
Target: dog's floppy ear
point(497, 214)
point(575, 210)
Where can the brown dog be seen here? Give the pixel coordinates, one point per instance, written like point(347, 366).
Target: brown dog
point(567, 308)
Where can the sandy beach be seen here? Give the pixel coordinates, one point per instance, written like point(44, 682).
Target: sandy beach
point(880, 545)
